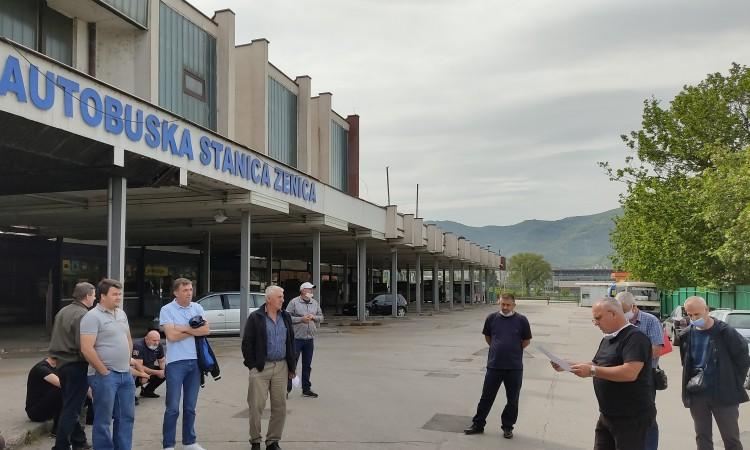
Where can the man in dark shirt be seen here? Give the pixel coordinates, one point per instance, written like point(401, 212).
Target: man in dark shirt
point(623, 381)
point(148, 354)
point(507, 333)
point(43, 398)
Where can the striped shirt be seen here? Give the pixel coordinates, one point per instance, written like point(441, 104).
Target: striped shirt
point(651, 327)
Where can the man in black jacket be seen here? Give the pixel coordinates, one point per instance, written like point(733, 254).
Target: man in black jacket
point(720, 352)
point(268, 351)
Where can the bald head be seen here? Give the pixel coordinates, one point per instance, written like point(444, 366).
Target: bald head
point(152, 338)
point(607, 315)
point(696, 309)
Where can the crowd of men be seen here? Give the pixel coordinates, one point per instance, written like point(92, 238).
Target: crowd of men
point(94, 362)
point(626, 373)
point(92, 356)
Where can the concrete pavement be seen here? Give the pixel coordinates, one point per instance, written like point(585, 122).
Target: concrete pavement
point(414, 384)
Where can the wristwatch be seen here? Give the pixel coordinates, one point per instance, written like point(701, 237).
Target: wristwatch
point(593, 371)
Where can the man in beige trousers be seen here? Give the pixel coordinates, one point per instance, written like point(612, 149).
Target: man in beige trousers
point(268, 351)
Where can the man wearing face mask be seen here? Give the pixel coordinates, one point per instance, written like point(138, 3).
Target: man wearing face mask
point(623, 382)
point(148, 354)
point(651, 327)
point(507, 333)
point(718, 351)
point(306, 317)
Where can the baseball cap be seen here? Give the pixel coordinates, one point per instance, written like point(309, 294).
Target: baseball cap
point(307, 285)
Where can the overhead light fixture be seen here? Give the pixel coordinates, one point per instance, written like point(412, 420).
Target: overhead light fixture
point(220, 216)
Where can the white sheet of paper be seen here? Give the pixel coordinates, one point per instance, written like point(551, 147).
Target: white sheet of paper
point(555, 359)
point(296, 382)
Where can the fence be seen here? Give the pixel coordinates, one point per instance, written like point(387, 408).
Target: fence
point(731, 297)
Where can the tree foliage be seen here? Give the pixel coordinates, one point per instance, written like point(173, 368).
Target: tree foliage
point(529, 269)
point(686, 208)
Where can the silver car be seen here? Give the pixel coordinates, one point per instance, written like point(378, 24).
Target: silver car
point(222, 310)
point(739, 319)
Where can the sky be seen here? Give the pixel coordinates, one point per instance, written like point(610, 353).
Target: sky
point(499, 109)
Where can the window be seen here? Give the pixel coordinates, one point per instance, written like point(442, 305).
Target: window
point(33, 24)
point(212, 303)
point(193, 85)
point(260, 300)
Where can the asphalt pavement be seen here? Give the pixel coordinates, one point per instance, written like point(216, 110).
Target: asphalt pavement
point(410, 384)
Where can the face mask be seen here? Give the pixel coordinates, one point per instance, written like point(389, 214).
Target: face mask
point(153, 347)
point(700, 323)
point(507, 314)
point(629, 315)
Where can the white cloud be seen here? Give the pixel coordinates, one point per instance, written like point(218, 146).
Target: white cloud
point(500, 110)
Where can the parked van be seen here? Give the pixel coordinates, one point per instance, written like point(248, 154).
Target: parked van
point(645, 293)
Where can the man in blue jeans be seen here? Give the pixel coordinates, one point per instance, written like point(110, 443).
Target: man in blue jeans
point(182, 372)
point(306, 317)
point(507, 333)
point(106, 345)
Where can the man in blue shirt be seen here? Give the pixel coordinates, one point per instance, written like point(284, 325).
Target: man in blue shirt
point(507, 333)
point(182, 371)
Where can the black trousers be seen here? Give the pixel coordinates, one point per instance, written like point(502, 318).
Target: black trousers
point(622, 433)
point(73, 386)
point(702, 408)
point(153, 383)
point(493, 378)
point(48, 407)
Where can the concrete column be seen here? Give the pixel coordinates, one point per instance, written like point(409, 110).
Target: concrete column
point(206, 266)
point(472, 288)
point(394, 281)
point(361, 279)
point(352, 157)
point(316, 265)
point(346, 278)
point(435, 286)
point(251, 60)
point(418, 281)
point(304, 124)
point(408, 284)
point(463, 287)
point(244, 268)
point(225, 73)
point(449, 284)
point(323, 163)
point(116, 211)
point(269, 264)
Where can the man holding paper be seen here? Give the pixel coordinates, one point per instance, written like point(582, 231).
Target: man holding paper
point(507, 333)
point(621, 370)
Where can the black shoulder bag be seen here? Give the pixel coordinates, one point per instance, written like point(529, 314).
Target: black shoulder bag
point(697, 383)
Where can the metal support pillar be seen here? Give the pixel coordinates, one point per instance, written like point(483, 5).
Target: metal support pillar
point(418, 282)
point(361, 279)
point(116, 211)
point(394, 281)
point(435, 286)
point(346, 278)
point(316, 266)
point(408, 285)
point(244, 268)
point(206, 266)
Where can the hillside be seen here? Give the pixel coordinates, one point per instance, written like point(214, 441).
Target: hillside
point(581, 241)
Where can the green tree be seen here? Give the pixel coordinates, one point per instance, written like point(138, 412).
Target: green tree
point(529, 269)
point(686, 175)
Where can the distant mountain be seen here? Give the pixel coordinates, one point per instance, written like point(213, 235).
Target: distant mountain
point(572, 242)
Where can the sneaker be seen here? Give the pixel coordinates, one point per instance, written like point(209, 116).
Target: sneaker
point(507, 433)
point(194, 446)
point(474, 429)
point(149, 394)
point(273, 446)
point(84, 446)
point(310, 394)
point(255, 446)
